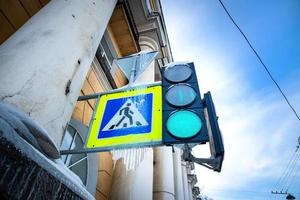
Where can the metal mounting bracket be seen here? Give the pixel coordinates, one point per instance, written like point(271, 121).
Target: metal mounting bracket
point(210, 163)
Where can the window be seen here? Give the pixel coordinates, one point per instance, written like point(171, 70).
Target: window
point(83, 165)
point(150, 6)
point(76, 162)
point(107, 53)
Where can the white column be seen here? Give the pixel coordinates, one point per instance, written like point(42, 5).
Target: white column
point(138, 183)
point(190, 179)
point(185, 181)
point(147, 44)
point(163, 178)
point(49, 54)
point(178, 181)
point(133, 184)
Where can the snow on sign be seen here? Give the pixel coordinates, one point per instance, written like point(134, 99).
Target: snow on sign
point(128, 118)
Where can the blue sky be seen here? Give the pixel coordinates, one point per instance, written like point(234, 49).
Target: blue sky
point(260, 132)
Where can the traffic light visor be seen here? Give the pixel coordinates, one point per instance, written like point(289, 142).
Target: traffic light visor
point(178, 73)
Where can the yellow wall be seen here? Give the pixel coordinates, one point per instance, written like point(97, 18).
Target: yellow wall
point(105, 173)
point(84, 109)
point(14, 13)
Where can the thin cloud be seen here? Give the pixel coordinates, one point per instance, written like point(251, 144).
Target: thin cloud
point(256, 135)
point(259, 130)
point(256, 126)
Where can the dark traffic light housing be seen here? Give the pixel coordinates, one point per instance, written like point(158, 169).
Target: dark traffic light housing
point(183, 112)
point(214, 132)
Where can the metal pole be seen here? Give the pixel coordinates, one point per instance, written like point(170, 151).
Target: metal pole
point(132, 73)
point(103, 149)
point(96, 95)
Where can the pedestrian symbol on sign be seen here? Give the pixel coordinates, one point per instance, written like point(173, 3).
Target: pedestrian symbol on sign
point(130, 115)
point(127, 116)
point(127, 113)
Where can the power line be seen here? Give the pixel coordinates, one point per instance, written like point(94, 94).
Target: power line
point(288, 175)
point(292, 174)
point(293, 179)
point(260, 60)
point(284, 178)
point(285, 172)
point(237, 193)
point(256, 192)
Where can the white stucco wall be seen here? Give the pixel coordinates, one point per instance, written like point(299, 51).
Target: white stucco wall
point(52, 50)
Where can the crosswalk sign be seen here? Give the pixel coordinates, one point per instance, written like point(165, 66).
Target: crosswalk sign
point(127, 118)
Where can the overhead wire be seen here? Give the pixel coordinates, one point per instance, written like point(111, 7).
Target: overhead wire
point(290, 167)
point(291, 175)
point(287, 177)
point(258, 192)
point(285, 171)
point(260, 60)
point(247, 194)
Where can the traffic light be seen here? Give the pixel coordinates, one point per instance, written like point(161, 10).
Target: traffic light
point(183, 114)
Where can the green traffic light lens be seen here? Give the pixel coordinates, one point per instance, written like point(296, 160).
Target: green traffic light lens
point(180, 95)
point(178, 73)
point(184, 124)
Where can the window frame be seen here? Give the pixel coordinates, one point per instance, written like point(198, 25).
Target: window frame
point(92, 158)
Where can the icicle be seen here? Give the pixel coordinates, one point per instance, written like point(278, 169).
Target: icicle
point(131, 157)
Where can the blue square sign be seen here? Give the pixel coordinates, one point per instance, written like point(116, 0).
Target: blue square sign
point(129, 115)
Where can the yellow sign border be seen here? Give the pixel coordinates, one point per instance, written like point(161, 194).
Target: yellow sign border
point(156, 130)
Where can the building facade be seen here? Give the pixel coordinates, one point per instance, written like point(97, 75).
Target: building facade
point(53, 52)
